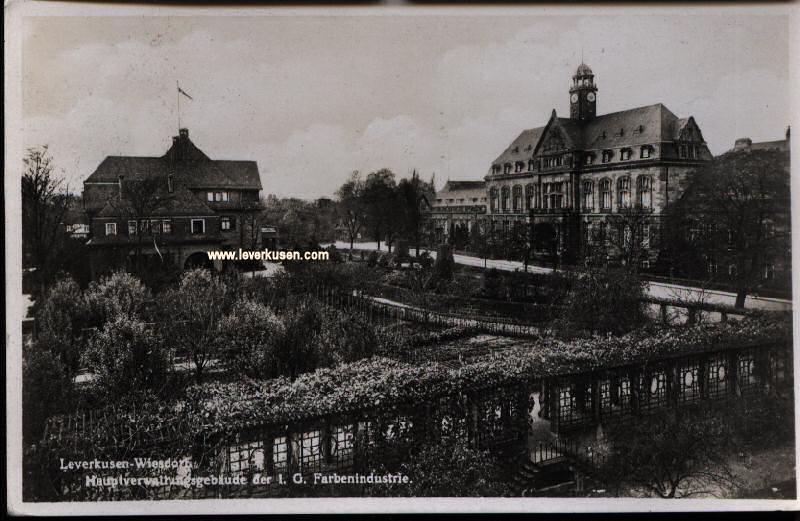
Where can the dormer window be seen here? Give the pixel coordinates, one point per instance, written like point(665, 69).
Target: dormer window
point(607, 155)
point(495, 169)
point(646, 152)
point(507, 168)
point(531, 164)
point(518, 166)
point(588, 159)
point(625, 154)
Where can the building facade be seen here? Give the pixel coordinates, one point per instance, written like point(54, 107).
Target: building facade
point(458, 207)
point(173, 208)
point(565, 179)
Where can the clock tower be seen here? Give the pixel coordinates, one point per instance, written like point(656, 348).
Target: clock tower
point(583, 94)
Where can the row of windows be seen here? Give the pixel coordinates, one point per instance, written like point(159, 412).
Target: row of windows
point(552, 195)
point(645, 152)
point(644, 193)
point(689, 151)
point(164, 226)
point(218, 197)
point(462, 200)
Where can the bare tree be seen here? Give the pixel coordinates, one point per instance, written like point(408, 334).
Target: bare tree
point(628, 236)
point(45, 201)
point(672, 455)
point(140, 197)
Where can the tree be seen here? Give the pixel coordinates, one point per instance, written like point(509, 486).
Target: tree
point(675, 454)
point(60, 321)
point(380, 203)
point(413, 197)
point(351, 206)
point(735, 212)
point(195, 309)
point(45, 201)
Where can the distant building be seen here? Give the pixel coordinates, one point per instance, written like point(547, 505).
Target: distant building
point(566, 177)
point(173, 207)
point(458, 205)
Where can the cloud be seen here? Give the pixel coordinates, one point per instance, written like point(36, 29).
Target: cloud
point(313, 98)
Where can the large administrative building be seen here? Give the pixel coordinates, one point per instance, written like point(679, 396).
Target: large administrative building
point(566, 177)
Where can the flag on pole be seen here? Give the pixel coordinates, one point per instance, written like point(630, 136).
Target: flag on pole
point(155, 245)
point(184, 93)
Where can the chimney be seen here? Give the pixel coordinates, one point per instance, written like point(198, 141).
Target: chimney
point(743, 143)
point(788, 133)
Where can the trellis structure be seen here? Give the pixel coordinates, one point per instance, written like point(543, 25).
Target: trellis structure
point(493, 417)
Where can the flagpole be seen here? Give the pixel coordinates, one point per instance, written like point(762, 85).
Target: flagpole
point(179, 105)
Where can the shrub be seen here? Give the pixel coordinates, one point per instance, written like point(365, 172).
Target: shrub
point(606, 301)
point(447, 468)
point(345, 337)
point(120, 293)
point(249, 336)
point(46, 389)
point(127, 358)
point(297, 351)
point(444, 265)
point(372, 258)
point(60, 320)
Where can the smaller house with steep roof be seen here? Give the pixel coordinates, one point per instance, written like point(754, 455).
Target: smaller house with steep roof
point(170, 209)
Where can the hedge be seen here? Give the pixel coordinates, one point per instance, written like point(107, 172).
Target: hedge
point(380, 383)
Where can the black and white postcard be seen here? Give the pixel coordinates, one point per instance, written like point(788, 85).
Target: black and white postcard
point(515, 259)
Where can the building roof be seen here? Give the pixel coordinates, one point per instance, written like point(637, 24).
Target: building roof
point(522, 147)
point(181, 202)
point(632, 127)
point(467, 190)
point(191, 167)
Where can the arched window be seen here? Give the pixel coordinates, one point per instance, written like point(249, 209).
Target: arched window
point(493, 199)
point(605, 194)
point(531, 164)
point(530, 196)
point(504, 198)
point(644, 191)
point(516, 200)
point(588, 195)
point(624, 192)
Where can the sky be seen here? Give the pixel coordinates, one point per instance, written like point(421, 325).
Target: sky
point(312, 98)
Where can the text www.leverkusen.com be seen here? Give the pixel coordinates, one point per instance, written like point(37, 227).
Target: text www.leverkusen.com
point(268, 255)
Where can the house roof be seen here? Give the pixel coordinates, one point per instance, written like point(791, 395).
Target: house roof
point(192, 168)
point(181, 202)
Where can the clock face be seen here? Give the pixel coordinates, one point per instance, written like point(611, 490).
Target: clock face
point(574, 98)
point(590, 97)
